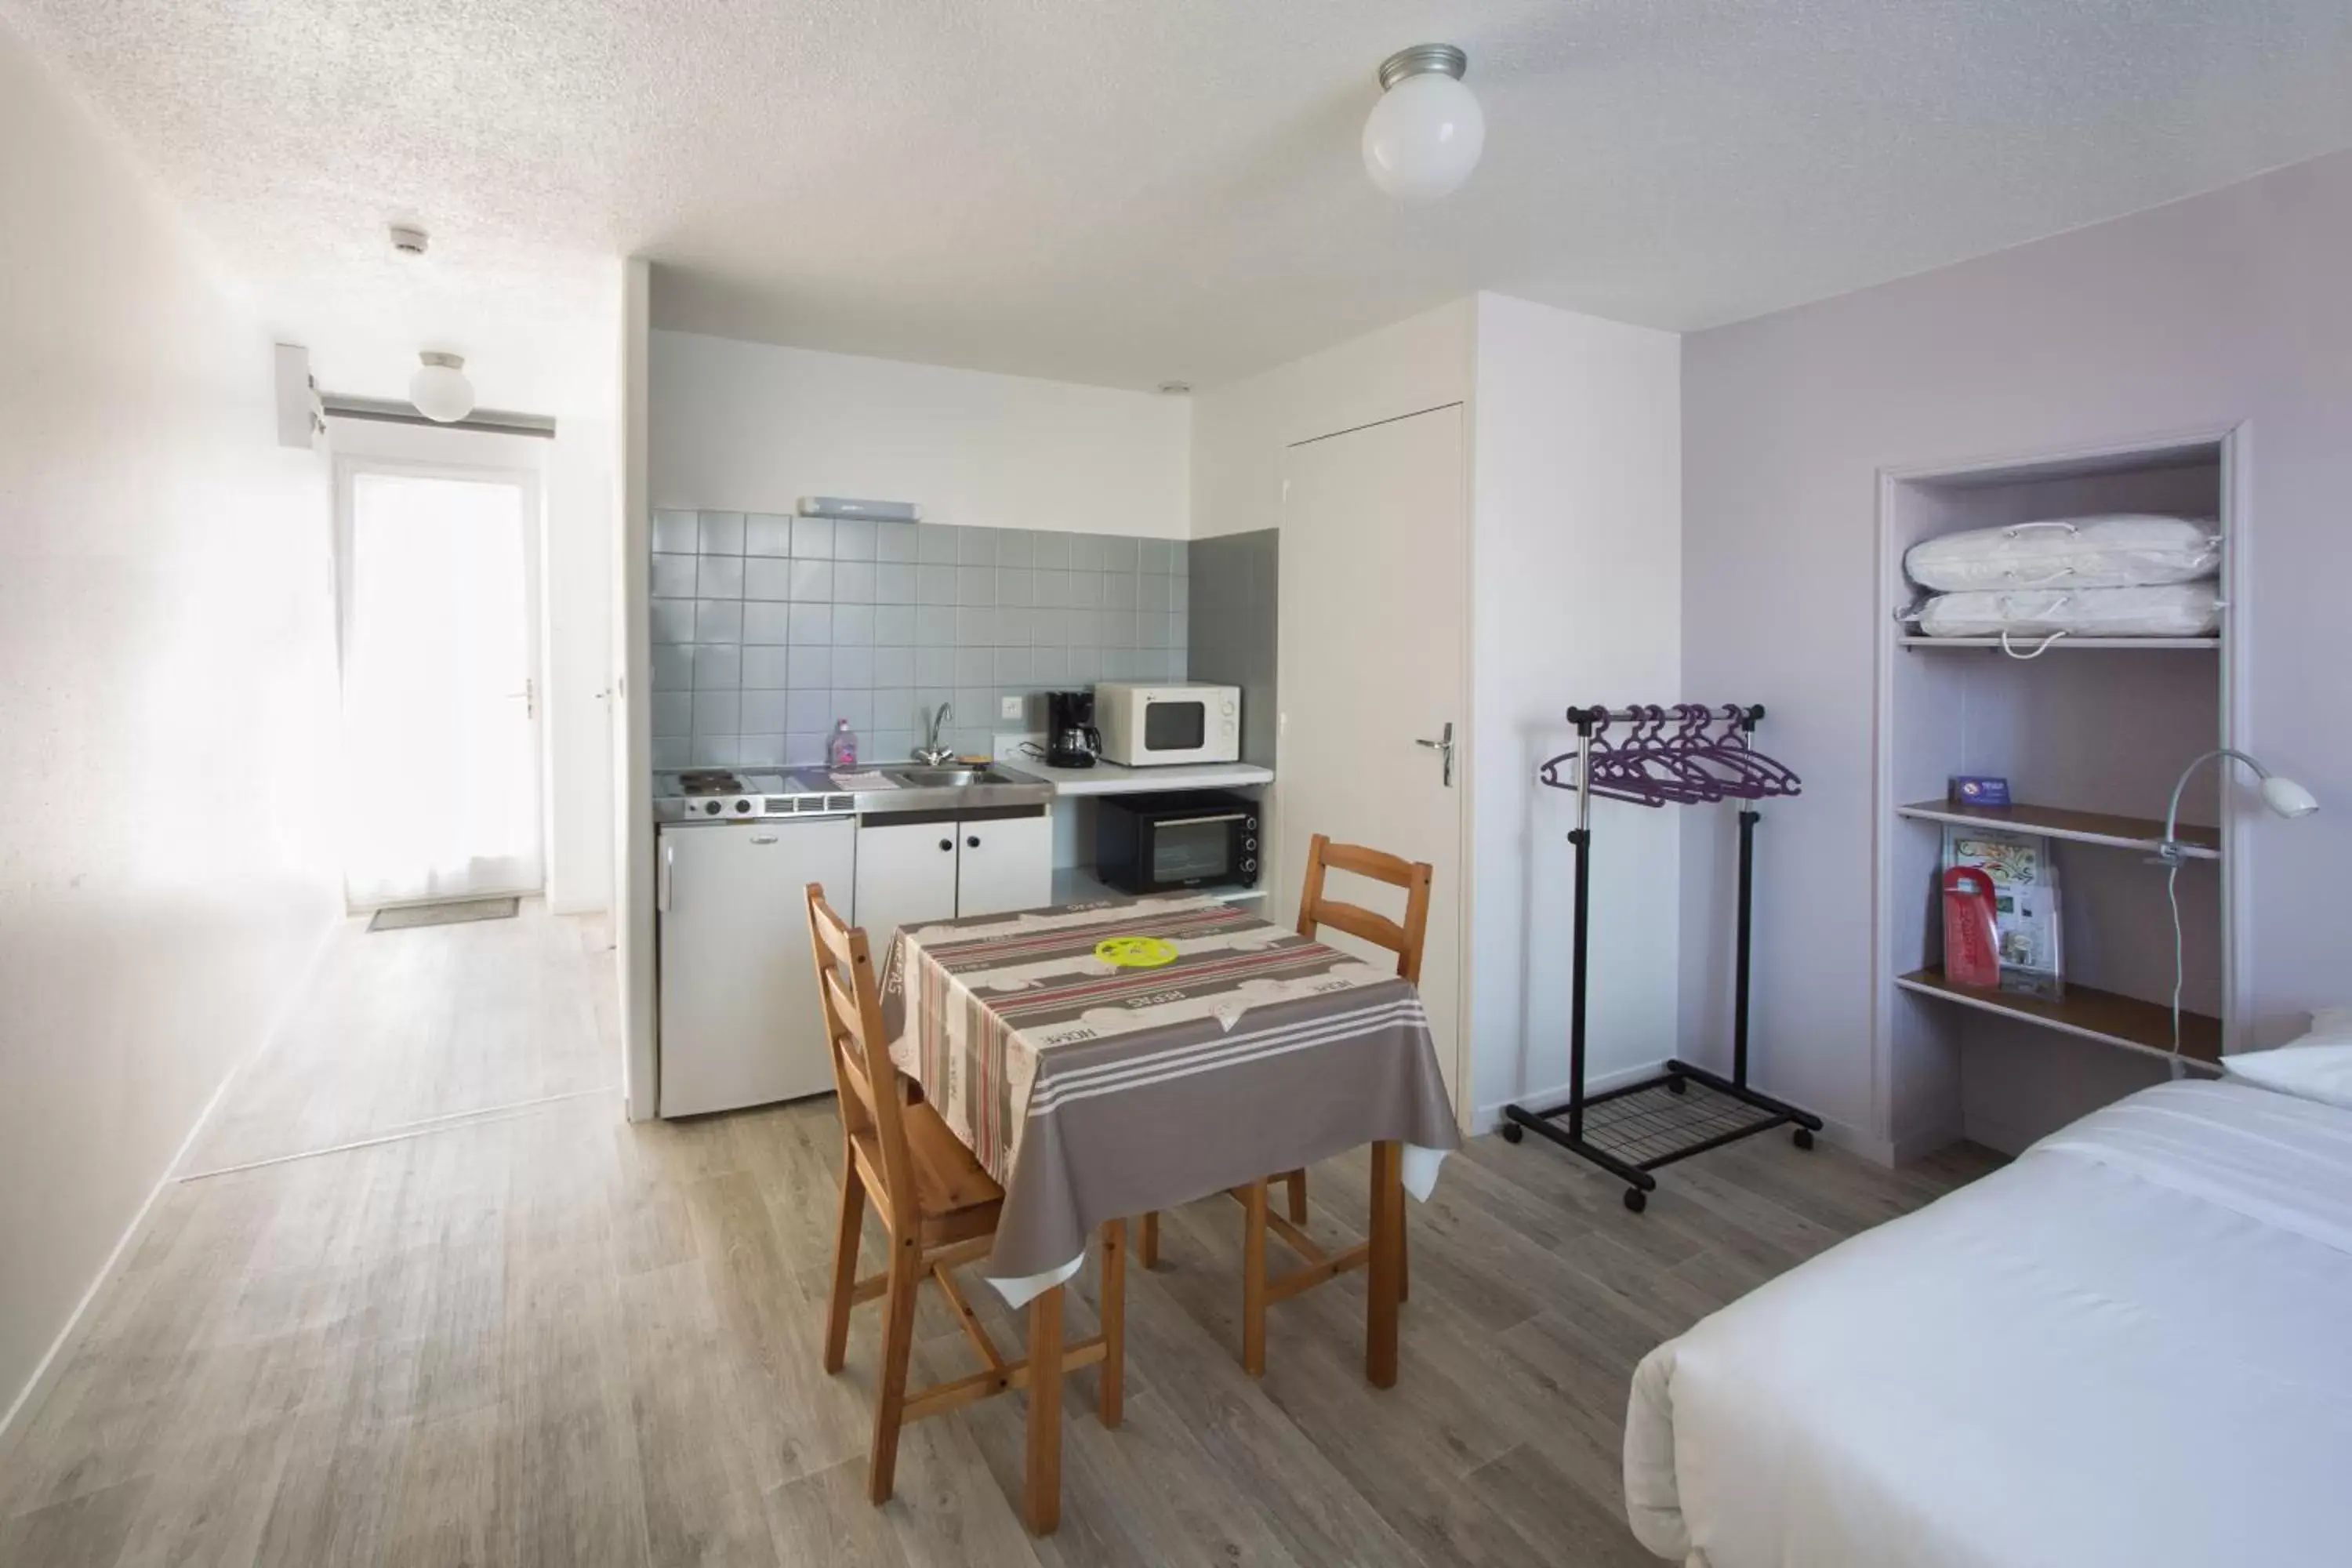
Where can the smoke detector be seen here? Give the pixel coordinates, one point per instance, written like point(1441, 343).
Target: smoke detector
point(408, 239)
point(1175, 388)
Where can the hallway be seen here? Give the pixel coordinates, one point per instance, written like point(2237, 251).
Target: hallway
point(498, 1324)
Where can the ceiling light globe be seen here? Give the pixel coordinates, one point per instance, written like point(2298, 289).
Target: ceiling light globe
point(1424, 137)
point(439, 389)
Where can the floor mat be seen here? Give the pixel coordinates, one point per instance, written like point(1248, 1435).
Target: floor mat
point(463, 912)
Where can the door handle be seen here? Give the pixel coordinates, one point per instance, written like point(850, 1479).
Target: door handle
point(529, 695)
point(1443, 744)
point(665, 877)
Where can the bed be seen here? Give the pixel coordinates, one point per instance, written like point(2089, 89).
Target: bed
point(2131, 1345)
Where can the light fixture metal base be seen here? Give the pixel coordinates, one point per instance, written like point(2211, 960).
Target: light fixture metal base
point(1422, 60)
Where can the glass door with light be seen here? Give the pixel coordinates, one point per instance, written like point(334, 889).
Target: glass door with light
point(440, 653)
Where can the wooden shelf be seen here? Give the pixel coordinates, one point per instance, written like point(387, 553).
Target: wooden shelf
point(2076, 826)
point(2028, 644)
point(2089, 1012)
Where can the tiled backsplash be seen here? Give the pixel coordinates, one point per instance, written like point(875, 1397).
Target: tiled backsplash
point(768, 628)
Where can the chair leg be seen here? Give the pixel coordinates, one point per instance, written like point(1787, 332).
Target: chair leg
point(1297, 1182)
point(1147, 1251)
point(1254, 1278)
point(1404, 1258)
point(1110, 1385)
point(846, 1238)
point(897, 1343)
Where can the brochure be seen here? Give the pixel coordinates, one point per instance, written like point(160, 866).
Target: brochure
point(2025, 903)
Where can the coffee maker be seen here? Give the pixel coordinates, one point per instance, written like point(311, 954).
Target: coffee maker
point(1071, 738)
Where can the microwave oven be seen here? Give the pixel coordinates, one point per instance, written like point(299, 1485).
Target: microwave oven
point(1173, 840)
point(1143, 726)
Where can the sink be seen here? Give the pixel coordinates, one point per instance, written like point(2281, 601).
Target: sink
point(947, 778)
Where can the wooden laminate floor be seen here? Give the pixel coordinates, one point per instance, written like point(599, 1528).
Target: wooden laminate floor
point(499, 1325)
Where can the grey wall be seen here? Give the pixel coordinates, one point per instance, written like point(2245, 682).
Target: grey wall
point(766, 629)
point(2229, 307)
point(1232, 637)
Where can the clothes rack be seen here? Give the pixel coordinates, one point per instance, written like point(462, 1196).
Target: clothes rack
point(1633, 1129)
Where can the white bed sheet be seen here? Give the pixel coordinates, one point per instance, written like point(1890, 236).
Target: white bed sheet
point(2133, 1345)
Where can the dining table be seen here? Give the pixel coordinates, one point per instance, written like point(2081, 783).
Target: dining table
point(1121, 1057)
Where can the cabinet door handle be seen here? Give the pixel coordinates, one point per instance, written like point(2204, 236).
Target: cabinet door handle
point(947, 843)
point(972, 842)
point(665, 878)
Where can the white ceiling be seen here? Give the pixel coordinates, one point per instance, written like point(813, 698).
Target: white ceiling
point(1124, 191)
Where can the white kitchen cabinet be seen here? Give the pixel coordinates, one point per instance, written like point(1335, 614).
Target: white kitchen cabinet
point(1004, 863)
point(906, 875)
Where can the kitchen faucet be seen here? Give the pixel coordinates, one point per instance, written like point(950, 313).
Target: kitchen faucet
point(930, 753)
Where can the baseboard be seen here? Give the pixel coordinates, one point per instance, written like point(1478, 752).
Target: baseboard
point(52, 1362)
point(1490, 1117)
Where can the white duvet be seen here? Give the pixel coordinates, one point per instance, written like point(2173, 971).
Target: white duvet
point(2131, 1346)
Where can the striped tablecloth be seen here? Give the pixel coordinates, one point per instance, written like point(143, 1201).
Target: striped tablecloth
point(1092, 1091)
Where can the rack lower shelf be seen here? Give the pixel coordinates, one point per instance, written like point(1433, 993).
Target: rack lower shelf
point(2089, 1012)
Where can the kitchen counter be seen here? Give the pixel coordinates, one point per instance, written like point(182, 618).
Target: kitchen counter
point(1109, 778)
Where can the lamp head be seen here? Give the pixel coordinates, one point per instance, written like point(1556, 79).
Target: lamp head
point(2288, 798)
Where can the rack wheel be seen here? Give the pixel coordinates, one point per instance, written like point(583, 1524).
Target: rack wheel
point(1802, 1138)
point(1676, 1083)
point(1636, 1199)
point(1513, 1131)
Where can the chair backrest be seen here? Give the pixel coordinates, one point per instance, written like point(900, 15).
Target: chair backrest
point(1315, 911)
point(870, 1091)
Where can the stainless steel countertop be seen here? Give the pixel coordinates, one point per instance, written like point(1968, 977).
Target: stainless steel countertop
point(993, 788)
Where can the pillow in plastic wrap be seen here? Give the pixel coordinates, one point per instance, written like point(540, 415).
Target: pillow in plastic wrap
point(2125, 549)
point(2174, 610)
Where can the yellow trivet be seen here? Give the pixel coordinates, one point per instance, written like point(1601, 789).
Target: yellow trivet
point(1135, 952)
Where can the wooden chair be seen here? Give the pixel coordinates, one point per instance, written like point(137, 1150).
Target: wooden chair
point(1317, 911)
point(940, 1209)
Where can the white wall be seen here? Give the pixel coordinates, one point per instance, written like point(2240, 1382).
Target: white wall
point(2226, 308)
point(1576, 519)
point(1241, 429)
point(166, 688)
point(741, 426)
point(577, 510)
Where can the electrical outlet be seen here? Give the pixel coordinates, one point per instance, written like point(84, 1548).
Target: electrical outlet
point(1008, 708)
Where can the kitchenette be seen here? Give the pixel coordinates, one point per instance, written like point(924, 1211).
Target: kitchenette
point(831, 736)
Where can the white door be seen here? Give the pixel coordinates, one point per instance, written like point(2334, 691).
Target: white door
point(1374, 582)
point(740, 1024)
point(1005, 863)
point(440, 647)
point(906, 876)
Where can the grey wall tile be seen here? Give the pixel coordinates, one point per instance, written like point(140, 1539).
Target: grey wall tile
point(767, 622)
point(811, 670)
point(676, 532)
point(1012, 667)
point(1050, 587)
point(935, 545)
point(1118, 590)
point(718, 712)
point(975, 585)
point(1050, 549)
point(1082, 590)
point(765, 534)
point(853, 538)
point(812, 625)
point(716, 751)
point(673, 668)
point(853, 668)
point(894, 583)
point(1152, 592)
point(853, 625)
point(767, 577)
point(853, 581)
point(935, 583)
point(763, 712)
point(719, 578)
point(673, 576)
point(759, 752)
point(718, 667)
point(1014, 547)
point(1086, 552)
point(813, 538)
point(766, 667)
point(896, 708)
point(1016, 586)
point(975, 711)
point(975, 666)
point(975, 626)
point(894, 541)
point(811, 711)
point(1159, 555)
point(671, 620)
point(1049, 667)
point(858, 707)
point(976, 546)
point(673, 713)
point(935, 626)
point(894, 625)
point(812, 580)
point(1121, 554)
point(805, 751)
point(935, 667)
point(721, 533)
point(894, 667)
point(673, 753)
point(718, 620)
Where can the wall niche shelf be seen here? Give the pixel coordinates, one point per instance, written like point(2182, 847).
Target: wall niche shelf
point(2141, 833)
point(2087, 1011)
point(2026, 644)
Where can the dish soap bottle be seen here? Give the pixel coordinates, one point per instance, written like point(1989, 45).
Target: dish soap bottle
point(841, 749)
